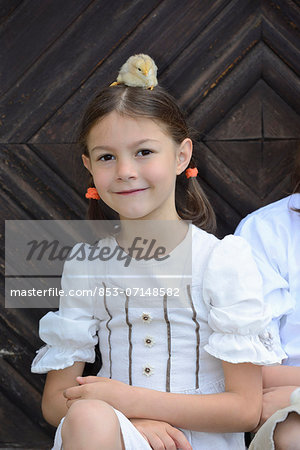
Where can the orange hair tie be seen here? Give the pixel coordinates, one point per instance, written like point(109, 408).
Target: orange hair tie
point(92, 193)
point(191, 172)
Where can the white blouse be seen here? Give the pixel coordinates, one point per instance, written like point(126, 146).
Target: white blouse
point(167, 343)
point(274, 235)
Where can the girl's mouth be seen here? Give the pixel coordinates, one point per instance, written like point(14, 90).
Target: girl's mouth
point(134, 191)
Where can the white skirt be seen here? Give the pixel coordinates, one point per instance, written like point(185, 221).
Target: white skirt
point(133, 439)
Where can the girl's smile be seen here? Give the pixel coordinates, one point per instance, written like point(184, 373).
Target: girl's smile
point(131, 192)
point(134, 163)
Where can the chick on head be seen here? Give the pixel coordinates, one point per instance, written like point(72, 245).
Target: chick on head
point(139, 70)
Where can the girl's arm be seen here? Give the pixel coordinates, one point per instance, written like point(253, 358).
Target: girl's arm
point(275, 376)
point(236, 409)
point(54, 406)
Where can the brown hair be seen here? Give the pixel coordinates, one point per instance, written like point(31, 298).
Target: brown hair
point(158, 105)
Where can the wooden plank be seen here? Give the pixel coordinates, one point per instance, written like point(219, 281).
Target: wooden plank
point(61, 156)
point(214, 54)
point(284, 44)
point(18, 353)
point(283, 80)
point(38, 183)
point(23, 322)
point(274, 110)
point(224, 181)
point(7, 8)
point(174, 33)
point(221, 99)
point(257, 164)
point(31, 30)
point(244, 120)
point(227, 216)
point(285, 16)
point(168, 52)
point(84, 45)
point(17, 430)
point(22, 395)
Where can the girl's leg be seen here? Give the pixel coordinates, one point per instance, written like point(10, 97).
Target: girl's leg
point(287, 433)
point(92, 425)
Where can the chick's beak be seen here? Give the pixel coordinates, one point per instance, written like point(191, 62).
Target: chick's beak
point(145, 72)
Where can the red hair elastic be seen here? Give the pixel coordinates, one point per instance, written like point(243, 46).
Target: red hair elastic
point(92, 193)
point(191, 172)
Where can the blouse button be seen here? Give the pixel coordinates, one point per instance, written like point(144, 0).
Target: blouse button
point(146, 317)
point(148, 371)
point(149, 341)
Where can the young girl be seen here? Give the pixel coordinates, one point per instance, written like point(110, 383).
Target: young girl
point(176, 372)
point(274, 235)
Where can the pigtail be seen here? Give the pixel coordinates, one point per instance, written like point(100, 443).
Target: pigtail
point(192, 202)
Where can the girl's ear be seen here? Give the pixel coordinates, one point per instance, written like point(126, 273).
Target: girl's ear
point(87, 163)
point(184, 154)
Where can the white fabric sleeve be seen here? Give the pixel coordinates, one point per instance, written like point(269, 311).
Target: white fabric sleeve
point(238, 315)
point(70, 333)
point(269, 248)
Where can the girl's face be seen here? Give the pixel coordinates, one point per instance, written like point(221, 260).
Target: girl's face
point(134, 163)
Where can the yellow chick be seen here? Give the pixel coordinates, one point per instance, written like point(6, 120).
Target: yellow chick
point(139, 70)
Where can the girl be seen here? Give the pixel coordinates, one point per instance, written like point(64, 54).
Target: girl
point(273, 232)
point(177, 372)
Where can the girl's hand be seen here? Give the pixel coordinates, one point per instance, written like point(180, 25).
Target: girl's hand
point(119, 395)
point(161, 435)
point(274, 398)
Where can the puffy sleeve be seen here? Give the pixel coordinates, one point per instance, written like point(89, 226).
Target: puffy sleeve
point(70, 333)
point(269, 247)
point(238, 316)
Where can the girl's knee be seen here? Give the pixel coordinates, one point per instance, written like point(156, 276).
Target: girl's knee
point(94, 421)
point(85, 412)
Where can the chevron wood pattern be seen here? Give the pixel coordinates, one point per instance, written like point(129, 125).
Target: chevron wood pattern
point(234, 67)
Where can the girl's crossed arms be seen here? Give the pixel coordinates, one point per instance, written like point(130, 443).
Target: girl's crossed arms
point(237, 409)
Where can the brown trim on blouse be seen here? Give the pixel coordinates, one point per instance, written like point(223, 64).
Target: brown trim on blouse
point(169, 343)
point(109, 330)
point(129, 340)
point(188, 287)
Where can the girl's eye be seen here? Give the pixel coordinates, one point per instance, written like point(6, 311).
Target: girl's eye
point(145, 152)
point(105, 157)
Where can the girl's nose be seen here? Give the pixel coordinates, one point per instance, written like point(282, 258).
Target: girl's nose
point(126, 169)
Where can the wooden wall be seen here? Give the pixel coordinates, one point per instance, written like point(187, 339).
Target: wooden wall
point(234, 67)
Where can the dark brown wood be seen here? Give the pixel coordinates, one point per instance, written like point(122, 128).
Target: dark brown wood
point(17, 428)
point(7, 8)
point(41, 24)
point(233, 65)
point(176, 34)
point(80, 50)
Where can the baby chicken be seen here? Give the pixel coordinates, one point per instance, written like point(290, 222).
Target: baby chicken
point(139, 70)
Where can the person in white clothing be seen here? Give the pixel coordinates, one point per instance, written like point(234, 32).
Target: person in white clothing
point(177, 371)
point(274, 235)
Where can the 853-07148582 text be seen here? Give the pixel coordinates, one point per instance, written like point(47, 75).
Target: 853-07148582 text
point(113, 292)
